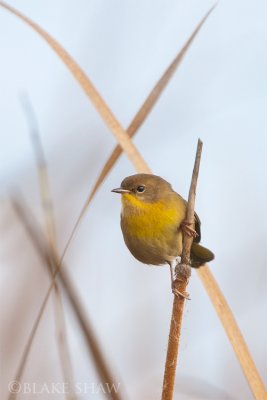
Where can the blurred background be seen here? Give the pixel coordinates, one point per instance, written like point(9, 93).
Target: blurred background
point(219, 94)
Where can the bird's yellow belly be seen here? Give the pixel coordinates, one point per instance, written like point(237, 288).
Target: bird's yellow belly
point(151, 231)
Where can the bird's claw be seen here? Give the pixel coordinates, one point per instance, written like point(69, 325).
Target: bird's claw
point(185, 226)
point(178, 293)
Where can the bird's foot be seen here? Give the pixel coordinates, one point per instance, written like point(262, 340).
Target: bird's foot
point(175, 291)
point(185, 226)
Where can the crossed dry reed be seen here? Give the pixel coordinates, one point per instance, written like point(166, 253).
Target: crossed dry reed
point(47, 248)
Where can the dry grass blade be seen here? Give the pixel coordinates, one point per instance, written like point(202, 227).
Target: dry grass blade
point(100, 105)
point(235, 336)
point(94, 350)
point(47, 206)
point(183, 272)
point(138, 120)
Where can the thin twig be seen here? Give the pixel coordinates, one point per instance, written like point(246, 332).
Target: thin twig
point(47, 206)
point(183, 272)
point(137, 122)
point(94, 349)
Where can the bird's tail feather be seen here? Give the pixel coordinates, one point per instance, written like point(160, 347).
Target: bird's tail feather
point(200, 255)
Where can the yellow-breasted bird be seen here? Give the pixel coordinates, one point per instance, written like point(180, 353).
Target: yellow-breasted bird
point(152, 219)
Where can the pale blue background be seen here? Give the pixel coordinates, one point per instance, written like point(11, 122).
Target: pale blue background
point(218, 94)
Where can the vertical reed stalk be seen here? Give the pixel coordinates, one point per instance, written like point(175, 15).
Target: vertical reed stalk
point(183, 272)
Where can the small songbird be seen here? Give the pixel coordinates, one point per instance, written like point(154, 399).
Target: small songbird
point(152, 220)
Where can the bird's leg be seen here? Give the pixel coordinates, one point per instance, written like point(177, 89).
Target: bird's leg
point(172, 265)
point(176, 292)
point(185, 226)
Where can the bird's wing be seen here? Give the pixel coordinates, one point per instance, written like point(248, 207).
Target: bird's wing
point(197, 229)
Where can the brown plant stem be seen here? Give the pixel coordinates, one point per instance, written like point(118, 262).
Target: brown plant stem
point(183, 272)
point(94, 349)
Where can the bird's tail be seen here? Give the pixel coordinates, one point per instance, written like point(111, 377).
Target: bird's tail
point(200, 255)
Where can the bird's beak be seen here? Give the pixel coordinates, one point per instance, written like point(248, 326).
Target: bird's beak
point(121, 191)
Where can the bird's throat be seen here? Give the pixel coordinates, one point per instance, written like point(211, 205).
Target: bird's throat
point(145, 219)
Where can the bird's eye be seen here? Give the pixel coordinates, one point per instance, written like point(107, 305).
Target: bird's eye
point(140, 189)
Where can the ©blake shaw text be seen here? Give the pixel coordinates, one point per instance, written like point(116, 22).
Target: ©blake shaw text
point(63, 388)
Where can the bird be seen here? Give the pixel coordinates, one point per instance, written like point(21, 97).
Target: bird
point(153, 219)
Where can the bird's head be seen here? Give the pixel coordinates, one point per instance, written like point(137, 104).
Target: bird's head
point(146, 188)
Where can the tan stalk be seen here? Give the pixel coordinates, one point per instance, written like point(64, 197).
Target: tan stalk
point(183, 272)
point(139, 164)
